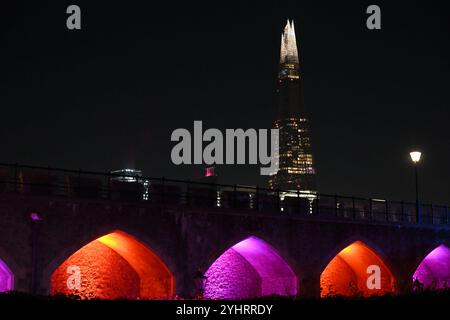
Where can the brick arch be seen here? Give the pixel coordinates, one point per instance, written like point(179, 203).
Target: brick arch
point(347, 272)
point(336, 248)
point(7, 267)
point(422, 251)
point(115, 265)
point(215, 251)
point(250, 268)
point(433, 271)
point(6, 277)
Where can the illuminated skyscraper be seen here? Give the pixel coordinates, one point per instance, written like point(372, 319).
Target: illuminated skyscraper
point(296, 166)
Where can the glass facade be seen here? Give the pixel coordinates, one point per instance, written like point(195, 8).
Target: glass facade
point(295, 158)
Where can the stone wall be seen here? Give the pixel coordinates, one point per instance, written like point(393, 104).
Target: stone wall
point(189, 239)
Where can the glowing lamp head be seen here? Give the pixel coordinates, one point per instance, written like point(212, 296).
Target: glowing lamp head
point(35, 216)
point(415, 156)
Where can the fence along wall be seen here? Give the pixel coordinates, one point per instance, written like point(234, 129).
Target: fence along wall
point(41, 181)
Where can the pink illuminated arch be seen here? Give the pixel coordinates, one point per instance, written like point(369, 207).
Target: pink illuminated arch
point(249, 269)
point(6, 278)
point(434, 271)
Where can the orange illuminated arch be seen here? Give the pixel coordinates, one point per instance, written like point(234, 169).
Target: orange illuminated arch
point(114, 266)
point(351, 273)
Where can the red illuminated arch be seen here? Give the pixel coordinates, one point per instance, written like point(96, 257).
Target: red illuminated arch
point(111, 267)
point(347, 273)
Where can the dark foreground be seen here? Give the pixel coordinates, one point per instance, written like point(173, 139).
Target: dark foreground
point(423, 304)
point(418, 296)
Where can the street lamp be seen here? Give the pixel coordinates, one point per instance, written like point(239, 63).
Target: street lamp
point(200, 282)
point(35, 221)
point(415, 157)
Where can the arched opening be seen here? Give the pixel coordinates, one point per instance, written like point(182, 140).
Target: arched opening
point(115, 266)
point(249, 269)
point(356, 271)
point(434, 271)
point(6, 278)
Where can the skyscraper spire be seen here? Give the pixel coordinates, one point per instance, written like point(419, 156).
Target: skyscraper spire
point(288, 52)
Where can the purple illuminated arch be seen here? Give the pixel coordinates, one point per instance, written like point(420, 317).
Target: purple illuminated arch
point(6, 278)
point(249, 269)
point(434, 271)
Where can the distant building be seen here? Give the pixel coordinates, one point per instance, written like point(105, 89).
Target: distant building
point(127, 175)
point(131, 176)
point(296, 165)
point(209, 175)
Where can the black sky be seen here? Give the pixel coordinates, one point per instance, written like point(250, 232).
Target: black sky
point(110, 95)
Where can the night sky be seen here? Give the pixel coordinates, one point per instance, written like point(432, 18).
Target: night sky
point(110, 95)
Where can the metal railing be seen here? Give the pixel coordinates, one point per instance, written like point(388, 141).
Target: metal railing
point(52, 182)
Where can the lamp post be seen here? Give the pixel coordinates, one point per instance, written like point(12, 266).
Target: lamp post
point(200, 282)
point(415, 157)
point(35, 219)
